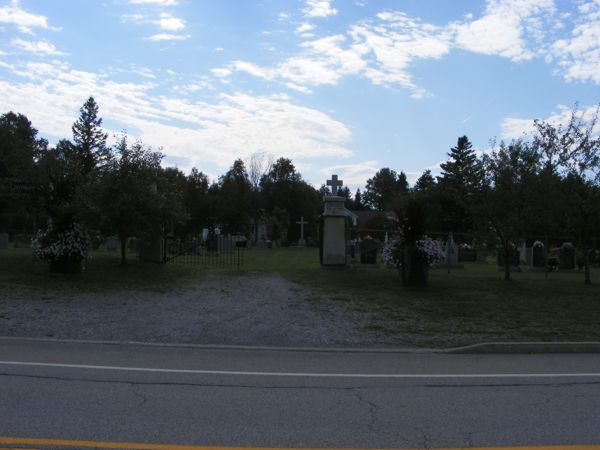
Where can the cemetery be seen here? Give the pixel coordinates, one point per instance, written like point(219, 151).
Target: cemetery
point(438, 263)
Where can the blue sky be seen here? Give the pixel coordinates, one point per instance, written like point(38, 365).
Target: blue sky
point(338, 86)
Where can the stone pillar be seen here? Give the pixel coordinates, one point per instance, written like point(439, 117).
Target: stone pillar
point(334, 231)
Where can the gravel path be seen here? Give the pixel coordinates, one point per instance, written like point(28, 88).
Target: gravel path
point(245, 310)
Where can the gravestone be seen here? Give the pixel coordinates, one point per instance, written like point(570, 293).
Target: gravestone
point(301, 241)
point(538, 257)
point(262, 242)
point(368, 251)
point(523, 253)
point(112, 243)
point(3, 241)
point(566, 256)
point(204, 234)
point(452, 254)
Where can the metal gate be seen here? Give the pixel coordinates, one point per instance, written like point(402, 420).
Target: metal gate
point(222, 251)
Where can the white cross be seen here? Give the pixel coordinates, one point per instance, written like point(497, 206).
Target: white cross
point(302, 222)
point(334, 183)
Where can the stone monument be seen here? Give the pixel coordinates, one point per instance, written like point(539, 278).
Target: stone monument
point(302, 241)
point(334, 235)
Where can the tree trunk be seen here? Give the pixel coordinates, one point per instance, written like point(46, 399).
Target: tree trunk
point(123, 250)
point(586, 264)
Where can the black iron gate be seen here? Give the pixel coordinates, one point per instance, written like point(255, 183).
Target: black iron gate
point(221, 251)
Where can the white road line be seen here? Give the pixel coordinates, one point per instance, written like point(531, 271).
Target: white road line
point(301, 374)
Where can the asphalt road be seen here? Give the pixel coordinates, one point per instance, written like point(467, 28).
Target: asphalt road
point(286, 398)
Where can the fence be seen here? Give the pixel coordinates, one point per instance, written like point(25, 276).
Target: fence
point(221, 251)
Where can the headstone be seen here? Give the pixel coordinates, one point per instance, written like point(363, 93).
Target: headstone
point(538, 257)
point(523, 253)
point(368, 251)
point(112, 243)
point(204, 234)
point(261, 236)
point(225, 244)
point(3, 241)
point(452, 254)
point(566, 256)
point(301, 222)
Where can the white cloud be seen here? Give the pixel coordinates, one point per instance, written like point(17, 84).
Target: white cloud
point(354, 175)
point(503, 29)
point(170, 23)
point(221, 73)
point(24, 21)
point(514, 128)
point(319, 8)
point(304, 27)
point(38, 48)
point(160, 37)
point(155, 2)
point(579, 55)
point(197, 133)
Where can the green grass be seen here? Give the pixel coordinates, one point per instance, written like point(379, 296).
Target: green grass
point(460, 307)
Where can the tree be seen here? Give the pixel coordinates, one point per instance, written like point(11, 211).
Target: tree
point(282, 187)
point(20, 149)
point(130, 202)
point(383, 188)
point(235, 206)
point(573, 151)
point(197, 201)
point(425, 182)
point(502, 207)
point(461, 177)
point(89, 138)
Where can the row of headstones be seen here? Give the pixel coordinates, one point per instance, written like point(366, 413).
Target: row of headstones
point(537, 259)
point(20, 241)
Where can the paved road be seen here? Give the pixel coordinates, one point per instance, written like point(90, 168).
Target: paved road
point(283, 398)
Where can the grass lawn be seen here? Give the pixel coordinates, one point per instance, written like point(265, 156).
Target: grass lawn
point(461, 307)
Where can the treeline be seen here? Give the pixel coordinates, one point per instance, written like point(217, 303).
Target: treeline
point(544, 186)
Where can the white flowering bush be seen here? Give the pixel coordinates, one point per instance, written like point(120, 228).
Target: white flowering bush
point(432, 250)
point(390, 253)
point(51, 245)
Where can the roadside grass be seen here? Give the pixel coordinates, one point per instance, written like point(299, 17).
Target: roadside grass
point(457, 308)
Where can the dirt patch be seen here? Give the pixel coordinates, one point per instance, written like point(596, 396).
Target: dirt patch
point(244, 310)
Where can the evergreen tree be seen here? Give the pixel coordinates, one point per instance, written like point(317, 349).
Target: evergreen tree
point(383, 188)
point(425, 182)
point(462, 177)
point(89, 138)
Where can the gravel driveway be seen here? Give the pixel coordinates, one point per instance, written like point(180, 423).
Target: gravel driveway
point(245, 310)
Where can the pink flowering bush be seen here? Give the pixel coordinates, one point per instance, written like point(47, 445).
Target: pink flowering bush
point(52, 245)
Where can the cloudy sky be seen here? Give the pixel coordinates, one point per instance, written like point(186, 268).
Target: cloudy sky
point(338, 86)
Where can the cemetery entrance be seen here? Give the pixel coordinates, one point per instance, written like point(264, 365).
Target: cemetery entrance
point(220, 251)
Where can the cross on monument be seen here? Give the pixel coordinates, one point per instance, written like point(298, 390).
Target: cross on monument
point(302, 222)
point(334, 183)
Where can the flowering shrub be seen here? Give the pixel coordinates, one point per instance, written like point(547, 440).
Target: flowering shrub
point(432, 250)
point(51, 245)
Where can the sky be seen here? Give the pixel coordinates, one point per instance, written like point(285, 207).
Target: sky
point(338, 86)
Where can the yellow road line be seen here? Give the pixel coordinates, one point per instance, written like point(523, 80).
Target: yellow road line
point(139, 446)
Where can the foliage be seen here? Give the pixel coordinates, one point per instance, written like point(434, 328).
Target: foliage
point(383, 188)
point(55, 245)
